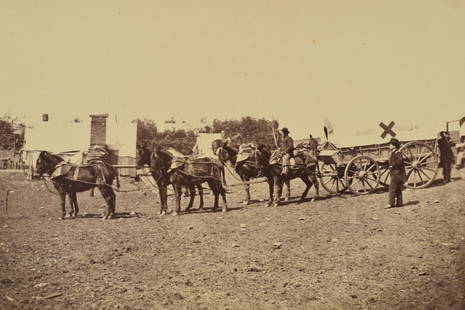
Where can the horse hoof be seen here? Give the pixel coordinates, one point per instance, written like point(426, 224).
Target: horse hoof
point(268, 204)
point(245, 202)
point(175, 213)
point(224, 210)
point(286, 199)
point(275, 205)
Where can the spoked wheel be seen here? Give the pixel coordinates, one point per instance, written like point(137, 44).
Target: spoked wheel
point(362, 175)
point(332, 178)
point(421, 164)
point(384, 174)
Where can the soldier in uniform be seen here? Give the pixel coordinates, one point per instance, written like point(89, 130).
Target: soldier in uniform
point(287, 148)
point(398, 175)
point(446, 157)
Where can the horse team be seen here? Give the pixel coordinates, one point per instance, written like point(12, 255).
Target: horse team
point(183, 172)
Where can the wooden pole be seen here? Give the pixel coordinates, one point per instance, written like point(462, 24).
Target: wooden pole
point(274, 136)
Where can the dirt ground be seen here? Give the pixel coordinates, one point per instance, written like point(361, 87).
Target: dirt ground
point(346, 252)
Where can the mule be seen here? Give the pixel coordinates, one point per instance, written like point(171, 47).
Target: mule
point(69, 179)
point(186, 172)
point(305, 169)
point(247, 169)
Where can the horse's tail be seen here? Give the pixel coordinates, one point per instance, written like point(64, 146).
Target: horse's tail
point(223, 177)
point(117, 181)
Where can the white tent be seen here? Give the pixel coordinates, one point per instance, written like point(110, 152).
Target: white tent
point(62, 136)
point(203, 145)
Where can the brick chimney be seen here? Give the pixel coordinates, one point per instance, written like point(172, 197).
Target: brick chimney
point(98, 129)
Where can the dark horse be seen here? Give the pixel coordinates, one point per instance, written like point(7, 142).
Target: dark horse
point(70, 179)
point(189, 173)
point(305, 169)
point(247, 170)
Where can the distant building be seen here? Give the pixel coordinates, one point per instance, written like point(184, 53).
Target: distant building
point(75, 137)
point(182, 124)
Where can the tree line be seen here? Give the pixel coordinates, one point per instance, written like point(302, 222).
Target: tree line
point(244, 130)
point(9, 140)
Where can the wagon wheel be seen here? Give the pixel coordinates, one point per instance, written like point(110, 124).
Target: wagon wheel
point(421, 164)
point(331, 178)
point(384, 174)
point(362, 175)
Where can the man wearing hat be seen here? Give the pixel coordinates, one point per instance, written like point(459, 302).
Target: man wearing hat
point(313, 145)
point(446, 157)
point(398, 175)
point(287, 148)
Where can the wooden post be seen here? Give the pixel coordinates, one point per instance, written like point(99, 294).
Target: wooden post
point(274, 136)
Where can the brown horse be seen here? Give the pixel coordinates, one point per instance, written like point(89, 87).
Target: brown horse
point(190, 173)
point(246, 170)
point(70, 179)
point(305, 169)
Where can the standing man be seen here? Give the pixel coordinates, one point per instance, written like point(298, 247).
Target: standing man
point(446, 157)
point(398, 175)
point(313, 145)
point(287, 148)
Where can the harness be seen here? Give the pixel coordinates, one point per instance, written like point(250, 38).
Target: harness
point(179, 162)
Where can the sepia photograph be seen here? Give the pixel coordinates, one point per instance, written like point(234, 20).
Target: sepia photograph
point(261, 154)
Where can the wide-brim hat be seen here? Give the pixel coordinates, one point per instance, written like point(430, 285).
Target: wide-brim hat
point(285, 130)
point(395, 142)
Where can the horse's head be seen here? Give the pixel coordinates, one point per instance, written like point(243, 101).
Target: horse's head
point(143, 155)
point(159, 160)
point(226, 153)
point(263, 156)
point(46, 162)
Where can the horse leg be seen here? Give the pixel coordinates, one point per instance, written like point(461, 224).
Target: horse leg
point(162, 192)
point(222, 191)
point(177, 194)
point(278, 188)
point(270, 187)
point(214, 188)
point(200, 190)
point(288, 187)
point(73, 203)
point(192, 195)
point(108, 195)
point(308, 184)
point(62, 195)
point(316, 184)
point(247, 190)
point(113, 201)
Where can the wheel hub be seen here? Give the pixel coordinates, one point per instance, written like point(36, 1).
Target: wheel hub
point(415, 164)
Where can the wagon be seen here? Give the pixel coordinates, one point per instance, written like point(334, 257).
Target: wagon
point(363, 169)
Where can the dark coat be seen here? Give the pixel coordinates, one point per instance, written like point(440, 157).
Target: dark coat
point(287, 145)
point(446, 156)
point(397, 166)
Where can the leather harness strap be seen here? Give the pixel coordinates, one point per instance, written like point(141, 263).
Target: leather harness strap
point(76, 173)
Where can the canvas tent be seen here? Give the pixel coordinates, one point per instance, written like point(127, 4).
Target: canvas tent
point(72, 139)
point(203, 145)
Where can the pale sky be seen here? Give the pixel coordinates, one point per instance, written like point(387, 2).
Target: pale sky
point(356, 63)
